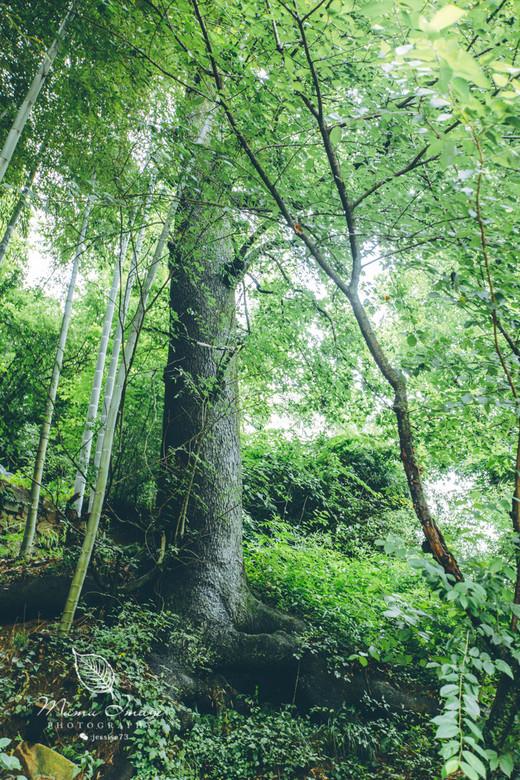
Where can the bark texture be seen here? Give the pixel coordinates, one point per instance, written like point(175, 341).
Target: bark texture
point(201, 491)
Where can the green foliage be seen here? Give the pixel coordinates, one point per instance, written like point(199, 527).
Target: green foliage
point(8, 763)
point(28, 336)
point(264, 743)
point(420, 109)
point(142, 708)
point(343, 599)
point(139, 628)
point(270, 744)
point(350, 490)
point(468, 659)
point(10, 544)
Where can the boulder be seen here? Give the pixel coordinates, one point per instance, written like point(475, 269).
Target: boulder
point(42, 763)
point(15, 501)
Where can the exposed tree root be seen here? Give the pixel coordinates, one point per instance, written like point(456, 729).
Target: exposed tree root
point(261, 618)
point(274, 665)
point(268, 657)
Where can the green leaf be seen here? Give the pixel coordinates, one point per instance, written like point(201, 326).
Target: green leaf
point(475, 762)
point(335, 135)
point(448, 690)
point(507, 764)
point(447, 16)
point(374, 10)
point(500, 80)
point(469, 771)
point(447, 730)
point(10, 762)
point(197, 101)
point(470, 705)
point(450, 766)
point(504, 667)
point(462, 64)
point(411, 340)
point(496, 565)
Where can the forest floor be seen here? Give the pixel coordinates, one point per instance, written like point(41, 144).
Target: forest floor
point(138, 726)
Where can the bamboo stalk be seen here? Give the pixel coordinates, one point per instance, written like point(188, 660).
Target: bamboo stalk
point(110, 427)
point(32, 95)
point(88, 433)
point(118, 340)
point(17, 211)
point(30, 525)
point(101, 482)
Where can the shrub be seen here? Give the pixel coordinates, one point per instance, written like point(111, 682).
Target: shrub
point(352, 491)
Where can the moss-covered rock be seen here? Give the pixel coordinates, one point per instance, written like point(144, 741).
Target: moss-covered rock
point(39, 762)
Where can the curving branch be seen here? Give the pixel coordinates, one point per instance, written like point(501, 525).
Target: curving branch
point(349, 288)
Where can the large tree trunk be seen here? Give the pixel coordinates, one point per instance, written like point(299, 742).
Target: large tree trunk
point(202, 505)
point(201, 491)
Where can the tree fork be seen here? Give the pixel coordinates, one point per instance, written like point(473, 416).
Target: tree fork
point(432, 533)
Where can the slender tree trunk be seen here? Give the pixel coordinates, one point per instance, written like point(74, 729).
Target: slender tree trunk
point(117, 342)
point(32, 95)
point(17, 211)
point(432, 532)
point(30, 526)
point(102, 476)
point(88, 433)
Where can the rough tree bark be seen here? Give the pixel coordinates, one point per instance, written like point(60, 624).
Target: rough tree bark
point(201, 491)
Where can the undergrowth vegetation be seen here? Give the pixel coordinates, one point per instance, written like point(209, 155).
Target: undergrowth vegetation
point(162, 739)
point(314, 516)
point(351, 490)
point(349, 603)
